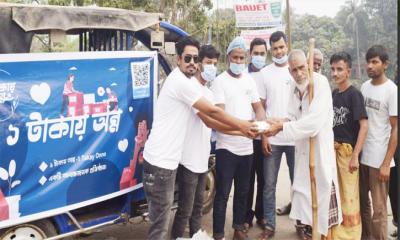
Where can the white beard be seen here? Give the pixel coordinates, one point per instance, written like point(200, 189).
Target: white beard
point(302, 87)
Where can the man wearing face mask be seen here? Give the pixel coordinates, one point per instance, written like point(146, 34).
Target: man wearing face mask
point(164, 147)
point(234, 91)
point(258, 54)
point(307, 120)
point(275, 97)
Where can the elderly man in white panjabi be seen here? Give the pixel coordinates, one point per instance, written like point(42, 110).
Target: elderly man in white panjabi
point(305, 121)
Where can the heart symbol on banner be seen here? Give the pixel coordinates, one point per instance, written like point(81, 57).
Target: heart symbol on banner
point(123, 145)
point(40, 93)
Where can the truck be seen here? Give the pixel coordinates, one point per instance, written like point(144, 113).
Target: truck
point(73, 124)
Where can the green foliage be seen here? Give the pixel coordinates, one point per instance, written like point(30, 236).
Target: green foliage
point(374, 21)
point(377, 24)
point(223, 31)
point(329, 36)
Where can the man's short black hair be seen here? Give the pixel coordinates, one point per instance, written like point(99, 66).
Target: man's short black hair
point(276, 36)
point(341, 56)
point(256, 42)
point(186, 41)
point(377, 51)
point(208, 51)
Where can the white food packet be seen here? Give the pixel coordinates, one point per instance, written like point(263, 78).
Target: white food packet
point(262, 126)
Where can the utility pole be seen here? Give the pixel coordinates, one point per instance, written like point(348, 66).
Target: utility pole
point(289, 38)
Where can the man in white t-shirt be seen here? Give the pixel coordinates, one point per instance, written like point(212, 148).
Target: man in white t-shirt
point(163, 149)
point(277, 80)
point(236, 93)
point(192, 171)
point(380, 95)
point(258, 54)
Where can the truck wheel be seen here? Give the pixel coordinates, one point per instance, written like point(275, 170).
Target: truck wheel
point(210, 190)
point(34, 230)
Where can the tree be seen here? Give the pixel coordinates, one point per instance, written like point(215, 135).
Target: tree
point(329, 36)
point(376, 24)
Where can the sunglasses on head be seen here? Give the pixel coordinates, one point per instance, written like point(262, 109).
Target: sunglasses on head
point(188, 58)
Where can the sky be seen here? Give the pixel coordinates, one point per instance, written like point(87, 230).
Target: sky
point(315, 7)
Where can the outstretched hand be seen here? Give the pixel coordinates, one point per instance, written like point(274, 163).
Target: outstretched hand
point(249, 129)
point(275, 127)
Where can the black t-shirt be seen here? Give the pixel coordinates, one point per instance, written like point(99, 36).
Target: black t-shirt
point(348, 109)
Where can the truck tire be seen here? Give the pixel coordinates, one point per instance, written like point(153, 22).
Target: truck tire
point(209, 192)
point(41, 229)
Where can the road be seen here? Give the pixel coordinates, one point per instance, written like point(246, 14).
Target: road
point(137, 229)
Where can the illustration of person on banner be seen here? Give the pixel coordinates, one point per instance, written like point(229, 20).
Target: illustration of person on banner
point(350, 127)
point(311, 120)
point(68, 89)
point(112, 99)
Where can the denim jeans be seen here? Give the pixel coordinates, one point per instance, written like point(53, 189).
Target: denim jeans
point(272, 164)
point(230, 167)
point(190, 202)
point(158, 186)
point(257, 169)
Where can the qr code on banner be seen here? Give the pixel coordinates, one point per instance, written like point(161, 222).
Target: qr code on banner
point(140, 79)
point(140, 74)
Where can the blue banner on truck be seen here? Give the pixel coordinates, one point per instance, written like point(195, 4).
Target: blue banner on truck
point(72, 129)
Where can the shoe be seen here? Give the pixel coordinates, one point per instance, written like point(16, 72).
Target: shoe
point(304, 232)
point(219, 238)
point(247, 226)
point(394, 234)
point(261, 223)
point(240, 235)
point(266, 234)
point(284, 210)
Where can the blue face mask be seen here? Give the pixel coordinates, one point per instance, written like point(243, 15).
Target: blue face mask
point(258, 61)
point(236, 68)
point(209, 72)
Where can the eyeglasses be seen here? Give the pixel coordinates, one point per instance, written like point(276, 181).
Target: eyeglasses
point(188, 58)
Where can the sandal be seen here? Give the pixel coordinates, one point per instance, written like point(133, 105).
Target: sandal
point(266, 234)
point(284, 210)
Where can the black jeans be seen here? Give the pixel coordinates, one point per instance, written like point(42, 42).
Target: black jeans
point(230, 167)
point(158, 186)
point(256, 169)
point(190, 203)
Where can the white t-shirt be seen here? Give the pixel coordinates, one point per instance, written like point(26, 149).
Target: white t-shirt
point(380, 103)
point(258, 78)
point(276, 92)
point(173, 108)
point(237, 94)
point(196, 150)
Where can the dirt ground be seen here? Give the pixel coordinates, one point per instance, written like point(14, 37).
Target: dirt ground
point(138, 227)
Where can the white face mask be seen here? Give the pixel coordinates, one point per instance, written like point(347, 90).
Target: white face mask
point(281, 60)
point(209, 72)
point(258, 61)
point(236, 68)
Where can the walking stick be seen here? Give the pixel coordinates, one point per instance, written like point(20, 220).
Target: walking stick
point(312, 144)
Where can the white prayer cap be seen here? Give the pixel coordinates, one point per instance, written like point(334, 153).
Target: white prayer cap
point(237, 42)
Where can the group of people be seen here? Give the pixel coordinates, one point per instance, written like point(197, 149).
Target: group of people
point(354, 137)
